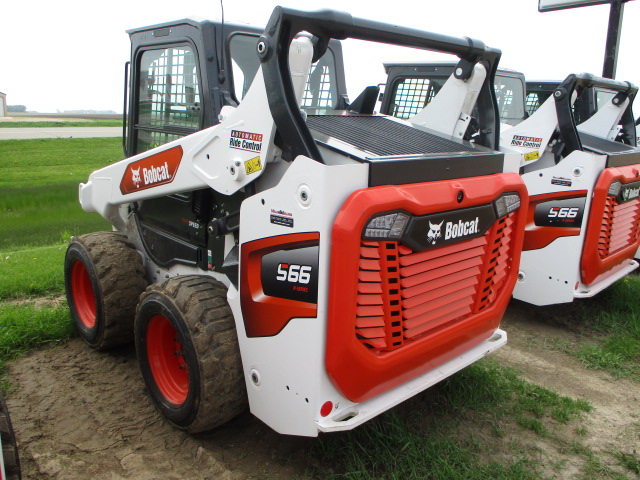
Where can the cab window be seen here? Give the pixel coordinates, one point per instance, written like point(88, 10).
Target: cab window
point(168, 96)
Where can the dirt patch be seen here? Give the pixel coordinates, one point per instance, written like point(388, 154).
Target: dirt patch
point(38, 303)
point(614, 424)
point(82, 414)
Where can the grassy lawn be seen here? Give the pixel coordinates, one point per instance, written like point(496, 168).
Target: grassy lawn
point(609, 328)
point(39, 211)
point(481, 423)
point(39, 188)
point(32, 271)
point(615, 347)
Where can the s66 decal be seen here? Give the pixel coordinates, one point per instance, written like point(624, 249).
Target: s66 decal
point(291, 274)
point(566, 212)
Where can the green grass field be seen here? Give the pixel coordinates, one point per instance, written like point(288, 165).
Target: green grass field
point(482, 423)
point(39, 211)
point(54, 123)
point(39, 188)
point(615, 319)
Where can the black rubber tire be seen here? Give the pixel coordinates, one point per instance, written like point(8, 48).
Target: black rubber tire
point(195, 311)
point(9, 445)
point(104, 278)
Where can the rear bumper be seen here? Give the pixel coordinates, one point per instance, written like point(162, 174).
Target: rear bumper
point(587, 291)
point(362, 412)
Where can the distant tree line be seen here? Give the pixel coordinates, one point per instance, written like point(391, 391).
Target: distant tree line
point(16, 108)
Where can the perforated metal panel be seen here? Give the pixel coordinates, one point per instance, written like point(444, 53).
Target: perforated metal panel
point(382, 136)
point(412, 94)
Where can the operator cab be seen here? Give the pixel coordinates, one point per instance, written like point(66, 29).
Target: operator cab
point(411, 87)
point(182, 74)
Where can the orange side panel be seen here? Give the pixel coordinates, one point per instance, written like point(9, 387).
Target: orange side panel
point(264, 315)
point(613, 231)
point(536, 237)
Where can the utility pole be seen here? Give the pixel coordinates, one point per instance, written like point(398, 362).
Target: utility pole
point(613, 32)
point(613, 39)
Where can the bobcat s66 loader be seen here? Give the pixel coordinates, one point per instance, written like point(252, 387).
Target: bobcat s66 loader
point(583, 225)
point(322, 264)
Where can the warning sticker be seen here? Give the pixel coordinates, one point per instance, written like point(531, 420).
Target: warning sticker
point(528, 142)
point(531, 156)
point(252, 166)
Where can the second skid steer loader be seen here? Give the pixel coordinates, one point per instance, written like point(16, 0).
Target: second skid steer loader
point(583, 225)
point(322, 264)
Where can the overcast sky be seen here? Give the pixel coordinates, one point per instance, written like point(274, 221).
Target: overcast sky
point(70, 54)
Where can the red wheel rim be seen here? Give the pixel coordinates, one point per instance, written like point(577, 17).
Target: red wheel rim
point(166, 360)
point(83, 296)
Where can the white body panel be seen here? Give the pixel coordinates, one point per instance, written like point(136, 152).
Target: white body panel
point(292, 388)
point(293, 410)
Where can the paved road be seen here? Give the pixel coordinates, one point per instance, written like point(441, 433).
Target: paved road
point(10, 133)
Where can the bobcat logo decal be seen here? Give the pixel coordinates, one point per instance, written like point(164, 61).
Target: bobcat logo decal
point(434, 232)
point(135, 177)
point(151, 171)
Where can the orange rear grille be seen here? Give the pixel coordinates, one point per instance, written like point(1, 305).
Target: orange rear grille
point(405, 295)
point(620, 226)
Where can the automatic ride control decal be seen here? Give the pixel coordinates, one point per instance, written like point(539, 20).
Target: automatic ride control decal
point(247, 141)
point(527, 142)
point(151, 171)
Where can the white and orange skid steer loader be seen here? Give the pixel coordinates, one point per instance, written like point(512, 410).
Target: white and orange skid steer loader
point(583, 225)
point(324, 263)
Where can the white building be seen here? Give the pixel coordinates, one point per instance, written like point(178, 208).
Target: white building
point(3, 105)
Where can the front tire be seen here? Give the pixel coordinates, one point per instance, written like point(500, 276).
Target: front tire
point(104, 278)
point(10, 458)
point(188, 353)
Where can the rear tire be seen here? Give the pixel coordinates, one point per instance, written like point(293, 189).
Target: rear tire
point(104, 278)
point(9, 445)
point(188, 353)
